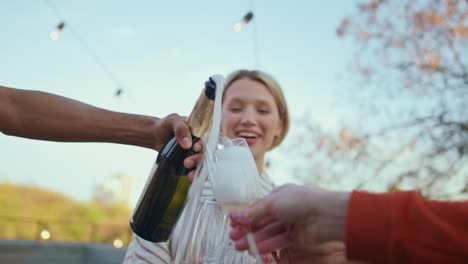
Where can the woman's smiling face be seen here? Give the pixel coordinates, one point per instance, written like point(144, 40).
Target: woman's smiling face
point(250, 111)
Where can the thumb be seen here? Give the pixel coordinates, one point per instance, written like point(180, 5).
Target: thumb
point(182, 133)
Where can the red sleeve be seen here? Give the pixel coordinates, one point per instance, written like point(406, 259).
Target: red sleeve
point(403, 227)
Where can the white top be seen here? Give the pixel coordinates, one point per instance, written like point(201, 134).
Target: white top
point(140, 251)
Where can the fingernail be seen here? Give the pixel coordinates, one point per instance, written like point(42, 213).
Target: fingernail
point(189, 163)
point(186, 142)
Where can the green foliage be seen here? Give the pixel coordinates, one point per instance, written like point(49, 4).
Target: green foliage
point(26, 211)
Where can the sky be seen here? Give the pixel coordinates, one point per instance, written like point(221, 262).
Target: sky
point(161, 53)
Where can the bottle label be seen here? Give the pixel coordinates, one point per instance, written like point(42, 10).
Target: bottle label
point(177, 202)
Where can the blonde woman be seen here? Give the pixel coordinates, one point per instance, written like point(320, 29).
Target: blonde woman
point(253, 108)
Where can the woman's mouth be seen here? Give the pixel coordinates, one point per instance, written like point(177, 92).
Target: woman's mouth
point(250, 137)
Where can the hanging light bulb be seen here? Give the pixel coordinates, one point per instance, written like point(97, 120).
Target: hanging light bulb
point(118, 243)
point(246, 19)
point(54, 35)
point(45, 234)
point(237, 27)
point(119, 92)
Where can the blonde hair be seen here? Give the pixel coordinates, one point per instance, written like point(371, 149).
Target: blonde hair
point(273, 87)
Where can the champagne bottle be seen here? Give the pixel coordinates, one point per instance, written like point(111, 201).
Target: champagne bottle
point(166, 189)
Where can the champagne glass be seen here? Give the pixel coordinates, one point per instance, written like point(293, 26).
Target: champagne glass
point(208, 232)
point(236, 185)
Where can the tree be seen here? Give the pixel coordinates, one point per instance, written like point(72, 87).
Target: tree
point(412, 59)
point(416, 53)
point(26, 211)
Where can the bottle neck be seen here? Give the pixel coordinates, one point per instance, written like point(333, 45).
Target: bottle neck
point(200, 118)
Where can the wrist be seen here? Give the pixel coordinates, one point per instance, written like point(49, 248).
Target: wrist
point(332, 215)
point(150, 127)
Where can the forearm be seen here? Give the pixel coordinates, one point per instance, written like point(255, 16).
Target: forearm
point(44, 116)
point(402, 227)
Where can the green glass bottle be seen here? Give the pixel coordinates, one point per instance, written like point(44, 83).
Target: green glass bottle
point(164, 195)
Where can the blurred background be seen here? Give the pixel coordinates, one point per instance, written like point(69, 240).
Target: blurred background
point(377, 92)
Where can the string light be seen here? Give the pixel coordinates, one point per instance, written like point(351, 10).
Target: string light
point(245, 20)
point(118, 92)
point(118, 243)
point(238, 28)
point(54, 35)
point(45, 234)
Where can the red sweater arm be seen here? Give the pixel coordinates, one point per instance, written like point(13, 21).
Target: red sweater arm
point(403, 227)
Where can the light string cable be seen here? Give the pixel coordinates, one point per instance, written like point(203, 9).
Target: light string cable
point(255, 37)
point(88, 49)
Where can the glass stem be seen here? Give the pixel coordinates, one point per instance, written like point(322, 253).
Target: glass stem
point(253, 247)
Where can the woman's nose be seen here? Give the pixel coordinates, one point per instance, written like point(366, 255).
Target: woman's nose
point(248, 117)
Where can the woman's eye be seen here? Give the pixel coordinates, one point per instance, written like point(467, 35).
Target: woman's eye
point(235, 109)
point(263, 111)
